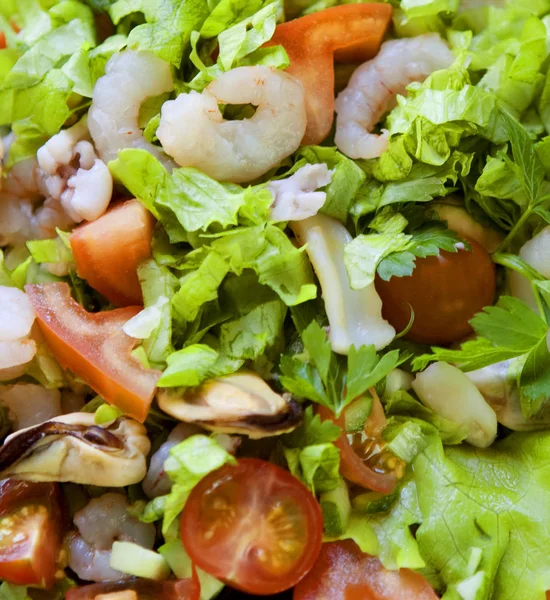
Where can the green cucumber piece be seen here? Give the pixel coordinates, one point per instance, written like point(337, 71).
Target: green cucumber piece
point(336, 509)
point(132, 559)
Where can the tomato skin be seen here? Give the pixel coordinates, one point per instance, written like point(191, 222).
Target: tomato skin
point(444, 292)
point(343, 572)
point(352, 467)
point(94, 347)
point(349, 33)
point(31, 516)
point(146, 589)
point(109, 250)
point(254, 526)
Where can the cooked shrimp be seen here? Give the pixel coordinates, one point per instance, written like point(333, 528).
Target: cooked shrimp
point(16, 320)
point(157, 482)
point(130, 78)
point(100, 523)
point(30, 404)
point(193, 130)
point(83, 189)
point(373, 88)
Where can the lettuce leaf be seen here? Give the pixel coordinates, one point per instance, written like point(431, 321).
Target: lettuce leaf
point(187, 464)
point(476, 525)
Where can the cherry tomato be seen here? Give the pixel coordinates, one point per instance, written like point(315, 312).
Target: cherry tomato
point(2, 40)
point(351, 32)
point(343, 572)
point(30, 532)
point(143, 589)
point(444, 292)
point(94, 347)
point(363, 459)
point(254, 526)
point(109, 250)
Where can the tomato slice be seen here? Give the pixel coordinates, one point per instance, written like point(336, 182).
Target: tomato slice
point(94, 347)
point(363, 459)
point(30, 532)
point(109, 250)
point(254, 526)
point(347, 32)
point(444, 292)
point(343, 571)
point(143, 589)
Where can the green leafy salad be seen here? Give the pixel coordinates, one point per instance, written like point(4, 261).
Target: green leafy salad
point(274, 299)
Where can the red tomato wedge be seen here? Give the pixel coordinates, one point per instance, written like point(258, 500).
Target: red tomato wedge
point(444, 292)
point(254, 526)
point(144, 589)
point(94, 347)
point(351, 32)
point(30, 532)
point(108, 251)
point(364, 471)
point(343, 572)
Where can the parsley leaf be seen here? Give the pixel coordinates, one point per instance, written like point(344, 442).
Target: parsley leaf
point(393, 254)
point(326, 378)
point(529, 169)
point(310, 454)
point(510, 324)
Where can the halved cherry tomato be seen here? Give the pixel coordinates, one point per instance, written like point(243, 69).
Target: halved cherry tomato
point(94, 347)
point(343, 572)
point(30, 532)
point(363, 460)
point(108, 251)
point(144, 589)
point(351, 32)
point(254, 526)
point(444, 292)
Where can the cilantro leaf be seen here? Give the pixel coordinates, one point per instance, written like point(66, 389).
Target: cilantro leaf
point(534, 380)
point(326, 378)
point(312, 431)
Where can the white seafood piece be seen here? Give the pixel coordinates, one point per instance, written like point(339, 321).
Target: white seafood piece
point(193, 131)
point(448, 391)
point(373, 88)
point(16, 320)
point(296, 198)
point(30, 404)
point(536, 253)
point(100, 523)
point(354, 316)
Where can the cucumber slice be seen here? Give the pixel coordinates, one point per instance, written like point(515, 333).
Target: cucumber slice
point(132, 559)
point(336, 509)
point(181, 565)
point(357, 413)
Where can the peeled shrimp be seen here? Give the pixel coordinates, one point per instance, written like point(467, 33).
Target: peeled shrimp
point(16, 320)
point(30, 404)
point(157, 482)
point(130, 78)
point(373, 88)
point(193, 130)
point(296, 198)
point(83, 189)
point(100, 523)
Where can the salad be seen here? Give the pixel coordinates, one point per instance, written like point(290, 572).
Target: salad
point(274, 299)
